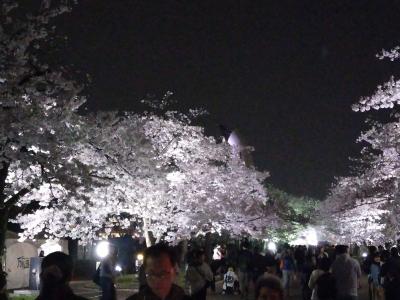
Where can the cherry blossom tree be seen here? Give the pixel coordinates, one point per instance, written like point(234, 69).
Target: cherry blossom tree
point(366, 205)
point(351, 215)
point(77, 176)
point(165, 175)
point(41, 134)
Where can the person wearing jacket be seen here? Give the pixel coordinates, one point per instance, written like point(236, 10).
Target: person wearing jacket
point(160, 271)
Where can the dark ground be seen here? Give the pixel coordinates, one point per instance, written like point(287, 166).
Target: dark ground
point(90, 293)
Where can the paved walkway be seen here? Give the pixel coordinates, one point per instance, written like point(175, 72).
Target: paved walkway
point(85, 289)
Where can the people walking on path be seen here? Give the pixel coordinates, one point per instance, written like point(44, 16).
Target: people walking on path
point(270, 263)
point(306, 271)
point(300, 257)
point(322, 282)
point(258, 264)
point(107, 274)
point(245, 269)
point(229, 281)
point(390, 273)
point(375, 277)
point(199, 276)
point(321, 253)
point(347, 270)
point(287, 266)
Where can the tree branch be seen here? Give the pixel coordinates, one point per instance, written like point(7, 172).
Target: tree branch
point(92, 174)
point(359, 205)
point(14, 198)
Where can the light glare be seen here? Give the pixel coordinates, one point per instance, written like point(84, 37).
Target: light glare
point(103, 249)
point(271, 246)
point(311, 237)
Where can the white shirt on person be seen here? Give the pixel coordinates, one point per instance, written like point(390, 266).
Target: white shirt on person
point(347, 270)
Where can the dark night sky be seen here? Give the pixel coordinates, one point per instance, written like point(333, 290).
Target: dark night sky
point(283, 72)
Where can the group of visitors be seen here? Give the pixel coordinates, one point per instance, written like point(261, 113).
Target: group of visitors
point(324, 273)
point(327, 273)
point(336, 275)
point(383, 268)
point(160, 268)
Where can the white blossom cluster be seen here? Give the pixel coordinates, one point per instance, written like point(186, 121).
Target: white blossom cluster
point(386, 95)
point(391, 54)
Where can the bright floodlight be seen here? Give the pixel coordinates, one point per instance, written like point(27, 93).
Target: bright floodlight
point(139, 256)
point(118, 268)
point(271, 246)
point(306, 237)
point(311, 237)
point(103, 249)
point(365, 254)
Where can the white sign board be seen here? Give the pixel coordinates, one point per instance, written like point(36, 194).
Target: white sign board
point(17, 264)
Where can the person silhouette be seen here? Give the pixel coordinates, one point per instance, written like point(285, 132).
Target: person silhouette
point(55, 275)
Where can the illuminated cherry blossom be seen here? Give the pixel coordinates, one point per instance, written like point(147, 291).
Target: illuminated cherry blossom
point(165, 175)
point(366, 205)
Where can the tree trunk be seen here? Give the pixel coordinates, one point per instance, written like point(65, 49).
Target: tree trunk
point(4, 210)
point(73, 249)
point(208, 248)
point(146, 223)
point(183, 249)
point(3, 232)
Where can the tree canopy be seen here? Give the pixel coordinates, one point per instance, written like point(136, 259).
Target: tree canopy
point(79, 175)
point(365, 206)
point(295, 213)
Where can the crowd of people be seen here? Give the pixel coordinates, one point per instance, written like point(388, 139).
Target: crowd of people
point(329, 272)
point(158, 276)
point(383, 268)
point(323, 273)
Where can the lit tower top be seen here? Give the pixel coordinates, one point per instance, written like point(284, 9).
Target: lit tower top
point(237, 142)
